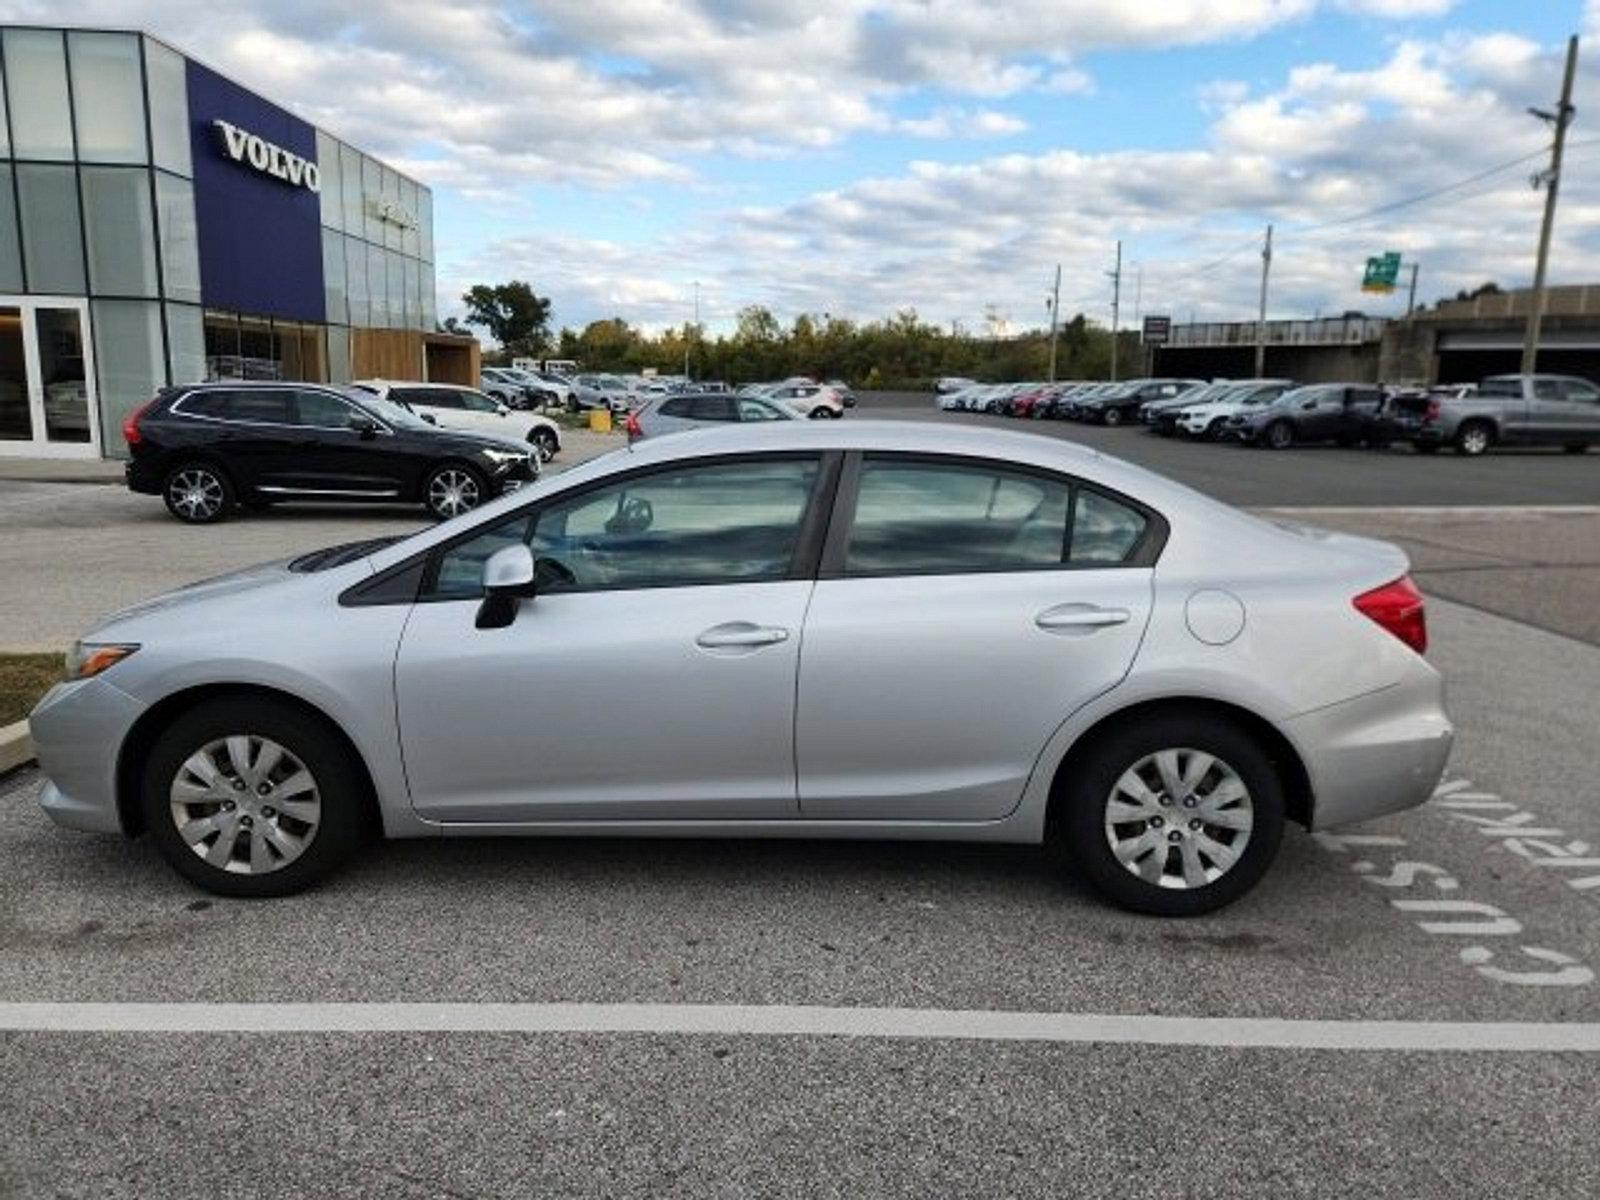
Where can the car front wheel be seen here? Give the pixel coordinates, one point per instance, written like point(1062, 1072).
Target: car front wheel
point(198, 494)
point(1174, 816)
point(1279, 436)
point(545, 442)
point(1113, 416)
point(453, 489)
point(252, 797)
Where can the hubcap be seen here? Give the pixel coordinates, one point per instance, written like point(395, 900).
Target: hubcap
point(451, 491)
point(245, 804)
point(1476, 441)
point(1188, 853)
point(197, 494)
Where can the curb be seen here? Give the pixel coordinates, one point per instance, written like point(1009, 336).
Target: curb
point(16, 746)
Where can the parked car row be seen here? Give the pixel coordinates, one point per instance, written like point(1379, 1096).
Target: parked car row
point(208, 448)
point(1554, 410)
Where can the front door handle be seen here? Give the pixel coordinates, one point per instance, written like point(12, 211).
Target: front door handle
point(739, 635)
point(1081, 616)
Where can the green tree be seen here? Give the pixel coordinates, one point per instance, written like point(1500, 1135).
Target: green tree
point(513, 314)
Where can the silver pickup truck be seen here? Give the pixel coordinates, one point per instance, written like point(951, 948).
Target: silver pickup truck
point(1511, 410)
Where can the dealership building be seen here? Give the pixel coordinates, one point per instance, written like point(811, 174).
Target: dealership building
point(161, 224)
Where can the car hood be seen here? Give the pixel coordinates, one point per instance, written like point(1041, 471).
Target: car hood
point(234, 582)
point(467, 441)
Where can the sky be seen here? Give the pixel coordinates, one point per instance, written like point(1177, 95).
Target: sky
point(858, 157)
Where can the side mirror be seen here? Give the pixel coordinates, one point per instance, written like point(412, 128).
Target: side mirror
point(365, 426)
point(507, 581)
point(429, 418)
point(502, 409)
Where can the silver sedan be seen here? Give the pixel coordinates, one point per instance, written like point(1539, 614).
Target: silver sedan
point(801, 629)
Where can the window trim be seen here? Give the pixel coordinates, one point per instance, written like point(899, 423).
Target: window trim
point(1145, 552)
point(802, 564)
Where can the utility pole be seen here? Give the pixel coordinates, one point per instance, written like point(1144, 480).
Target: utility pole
point(1261, 314)
point(1561, 118)
point(1055, 317)
point(1411, 301)
point(1116, 304)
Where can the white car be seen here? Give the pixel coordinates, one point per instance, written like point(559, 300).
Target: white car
point(1207, 420)
point(451, 406)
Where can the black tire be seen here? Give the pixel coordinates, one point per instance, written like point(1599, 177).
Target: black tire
point(1425, 447)
point(545, 441)
point(1079, 836)
point(1278, 436)
point(198, 493)
point(820, 413)
point(1214, 430)
point(1474, 438)
point(340, 788)
point(472, 488)
point(1113, 416)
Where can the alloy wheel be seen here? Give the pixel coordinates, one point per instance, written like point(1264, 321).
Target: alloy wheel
point(1179, 818)
point(452, 491)
point(1474, 439)
point(196, 493)
point(245, 804)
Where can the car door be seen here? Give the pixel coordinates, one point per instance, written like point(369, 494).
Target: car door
point(439, 403)
point(654, 676)
point(1580, 415)
point(964, 610)
point(1361, 417)
point(341, 450)
point(255, 433)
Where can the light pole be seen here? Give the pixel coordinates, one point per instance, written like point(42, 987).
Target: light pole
point(1054, 305)
point(1560, 119)
point(695, 327)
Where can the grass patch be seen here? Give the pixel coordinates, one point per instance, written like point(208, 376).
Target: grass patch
point(23, 679)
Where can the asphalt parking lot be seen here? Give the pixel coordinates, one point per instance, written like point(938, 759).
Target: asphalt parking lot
point(1249, 1057)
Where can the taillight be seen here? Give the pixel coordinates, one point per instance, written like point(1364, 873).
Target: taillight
point(1399, 608)
point(130, 424)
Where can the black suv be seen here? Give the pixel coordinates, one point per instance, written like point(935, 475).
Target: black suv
point(206, 447)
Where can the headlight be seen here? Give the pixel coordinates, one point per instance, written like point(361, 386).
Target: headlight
point(502, 458)
point(87, 659)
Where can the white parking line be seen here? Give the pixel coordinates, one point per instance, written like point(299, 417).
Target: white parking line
point(802, 1021)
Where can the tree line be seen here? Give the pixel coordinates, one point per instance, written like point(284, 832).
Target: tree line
point(899, 351)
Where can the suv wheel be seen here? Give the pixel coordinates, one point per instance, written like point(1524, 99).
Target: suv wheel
point(1174, 816)
point(1113, 416)
point(252, 797)
point(453, 489)
point(545, 442)
point(1279, 436)
point(197, 493)
point(1473, 438)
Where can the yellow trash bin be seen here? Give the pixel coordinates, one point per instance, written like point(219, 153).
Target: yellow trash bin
point(600, 420)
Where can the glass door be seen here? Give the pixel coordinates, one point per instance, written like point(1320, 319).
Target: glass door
point(47, 393)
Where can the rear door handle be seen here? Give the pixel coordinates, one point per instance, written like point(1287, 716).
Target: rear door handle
point(741, 635)
point(1081, 616)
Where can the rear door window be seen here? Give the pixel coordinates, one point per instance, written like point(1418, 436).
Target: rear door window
point(322, 410)
point(714, 408)
point(261, 406)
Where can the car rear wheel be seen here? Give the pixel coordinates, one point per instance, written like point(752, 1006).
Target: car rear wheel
point(1473, 438)
point(1113, 416)
point(1278, 436)
point(453, 489)
point(545, 442)
point(252, 797)
point(1174, 816)
point(198, 493)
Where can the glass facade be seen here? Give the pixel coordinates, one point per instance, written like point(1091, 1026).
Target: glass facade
point(103, 233)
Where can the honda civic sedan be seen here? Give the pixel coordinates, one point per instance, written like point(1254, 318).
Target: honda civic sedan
point(806, 629)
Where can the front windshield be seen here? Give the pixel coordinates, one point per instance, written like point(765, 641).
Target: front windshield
point(391, 411)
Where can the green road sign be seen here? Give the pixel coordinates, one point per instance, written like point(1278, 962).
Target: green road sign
point(1383, 272)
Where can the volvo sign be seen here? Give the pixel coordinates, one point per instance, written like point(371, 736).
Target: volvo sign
point(245, 147)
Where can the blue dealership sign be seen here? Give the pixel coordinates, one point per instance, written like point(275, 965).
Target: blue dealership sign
point(256, 186)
